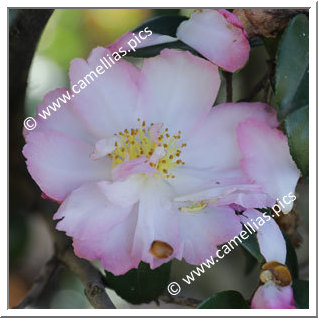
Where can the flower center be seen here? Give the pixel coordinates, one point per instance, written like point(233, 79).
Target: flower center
point(161, 150)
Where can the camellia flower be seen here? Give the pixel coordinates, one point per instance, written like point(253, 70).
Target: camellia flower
point(216, 34)
point(146, 170)
point(276, 291)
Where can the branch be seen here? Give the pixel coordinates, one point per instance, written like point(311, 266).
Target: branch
point(40, 283)
point(182, 301)
point(91, 278)
point(26, 26)
point(266, 22)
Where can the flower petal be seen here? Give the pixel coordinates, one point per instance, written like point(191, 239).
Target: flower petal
point(267, 233)
point(154, 131)
point(157, 221)
point(214, 144)
point(103, 147)
point(217, 35)
point(60, 163)
point(171, 92)
point(266, 159)
point(108, 103)
point(247, 199)
point(191, 180)
point(220, 187)
point(118, 222)
point(124, 193)
point(113, 248)
point(101, 218)
point(64, 119)
point(216, 192)
point(88, 212)
point(201, 232)
point(138, 165)
point(271, 296)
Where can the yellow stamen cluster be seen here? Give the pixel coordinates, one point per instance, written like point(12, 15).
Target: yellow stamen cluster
point(135, 143)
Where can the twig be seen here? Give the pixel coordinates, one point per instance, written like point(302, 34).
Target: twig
point(91, 278)
point(182, 301)
point(40, 283)
point(266, 22)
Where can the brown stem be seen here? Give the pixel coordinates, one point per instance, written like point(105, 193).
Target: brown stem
point(91, 278)
point(266, 22)
point(182, 301)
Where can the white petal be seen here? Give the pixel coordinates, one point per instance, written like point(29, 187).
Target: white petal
point(266, 159)
point(103, 147)
point(177, 89)
point(270, 238)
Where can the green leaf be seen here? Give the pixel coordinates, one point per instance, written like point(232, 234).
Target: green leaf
point(229, 299)
point(154, 50)
point(165, 24)
point(301, 293)
point(291, 257)
point(251, 245)
point(297, 130)
point(140, 285)
point(291, 78)
point(250, 261)
point(301, 97)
